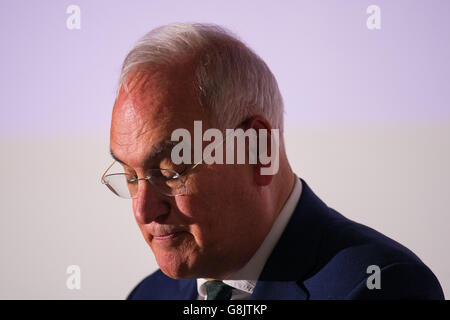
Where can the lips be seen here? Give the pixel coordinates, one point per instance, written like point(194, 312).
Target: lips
point(167, 236)
point(161, 232)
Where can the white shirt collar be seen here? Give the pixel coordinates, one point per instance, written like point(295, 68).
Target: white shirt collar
point(245, 279)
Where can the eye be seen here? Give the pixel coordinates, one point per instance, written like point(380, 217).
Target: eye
point(167, 164)
point(169, 174)
point(131, 179)
point(127, 170)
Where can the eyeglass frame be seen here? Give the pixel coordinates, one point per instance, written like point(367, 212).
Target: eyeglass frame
point(148, 178)
point(178, 175)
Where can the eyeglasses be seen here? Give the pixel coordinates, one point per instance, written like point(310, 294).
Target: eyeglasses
point(166, 181)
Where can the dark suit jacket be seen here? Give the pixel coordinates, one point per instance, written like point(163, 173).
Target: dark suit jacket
point(321, 255)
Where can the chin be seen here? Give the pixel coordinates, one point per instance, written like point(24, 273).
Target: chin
point(174, 266)
point(176, 272)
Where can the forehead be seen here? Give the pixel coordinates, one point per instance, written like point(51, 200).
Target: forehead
point(148, 114)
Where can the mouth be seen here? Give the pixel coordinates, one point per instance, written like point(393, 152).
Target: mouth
point(168, 236)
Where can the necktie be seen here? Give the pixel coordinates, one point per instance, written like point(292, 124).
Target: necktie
point(217, 290)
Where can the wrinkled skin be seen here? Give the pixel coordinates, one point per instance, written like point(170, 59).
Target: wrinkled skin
point(228, 209)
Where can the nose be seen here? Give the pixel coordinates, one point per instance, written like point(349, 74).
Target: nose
point(149, 204)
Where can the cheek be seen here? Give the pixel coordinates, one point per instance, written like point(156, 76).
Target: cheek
point(201, 218)
point(186, 206)
point(214, 204)
point(134, 205)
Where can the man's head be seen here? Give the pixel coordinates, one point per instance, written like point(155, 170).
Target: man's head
point(175, 75)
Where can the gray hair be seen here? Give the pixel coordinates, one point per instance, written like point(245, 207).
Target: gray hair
point(233, 83)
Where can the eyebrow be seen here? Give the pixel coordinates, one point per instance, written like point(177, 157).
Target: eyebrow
point(160, 151)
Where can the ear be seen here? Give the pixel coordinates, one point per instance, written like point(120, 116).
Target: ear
point(257, 123)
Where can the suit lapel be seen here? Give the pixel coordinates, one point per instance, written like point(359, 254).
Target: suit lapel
point(295, 255)
point(187, 290)
point(278, 290)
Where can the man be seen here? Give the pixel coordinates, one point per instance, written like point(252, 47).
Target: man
point(228, 231)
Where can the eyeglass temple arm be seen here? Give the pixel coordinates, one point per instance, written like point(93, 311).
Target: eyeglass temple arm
point(199, 162)
point(187, 170)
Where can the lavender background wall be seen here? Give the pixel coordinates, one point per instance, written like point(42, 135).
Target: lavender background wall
point(367, 126)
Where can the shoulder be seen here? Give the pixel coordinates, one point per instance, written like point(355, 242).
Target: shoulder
point(158, 286)
point(399, 280)
point(352, 254)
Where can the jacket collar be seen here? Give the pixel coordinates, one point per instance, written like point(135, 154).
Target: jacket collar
point(294, 257)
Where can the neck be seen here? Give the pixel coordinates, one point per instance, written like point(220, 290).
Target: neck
point(272, 200)
point(275, 198)
point(281, 187)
